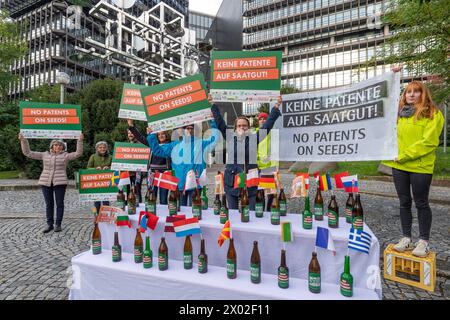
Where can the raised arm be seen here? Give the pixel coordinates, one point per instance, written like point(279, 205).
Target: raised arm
point(164, 150)
point(79, 152)
point(139, 137)
point(26, 149)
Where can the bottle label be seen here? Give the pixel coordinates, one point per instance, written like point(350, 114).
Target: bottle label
point(283, 208)
point(275, 216)
point(307, 220)
point(216, 209)
point(314, 282)
point(318, 210)
point(245, 214)
point(348, 214)
point(358, 223)
point(120, 204)
point(223, 216)
point(148, 259)
point(231, 268)
point(202, 264)
point(259, 210)
point(116, 253)
point(187, 258)
point(204, 203)
point(172, 208)
point(346, 287)
point(197, 211)
point(283, 278)
point(255, 272)
point(138, 251)
point(333, 218)
point(131, 207)
point(163, 262)
point(96, 246)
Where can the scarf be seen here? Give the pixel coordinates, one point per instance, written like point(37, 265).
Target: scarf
point(407, 111)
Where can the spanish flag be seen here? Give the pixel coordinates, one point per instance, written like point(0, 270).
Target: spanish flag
point(325, 182)
point(225, 233)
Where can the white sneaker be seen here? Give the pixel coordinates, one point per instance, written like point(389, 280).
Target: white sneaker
point(421, 249)
point(403, 245)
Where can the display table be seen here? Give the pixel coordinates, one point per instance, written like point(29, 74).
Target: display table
point(97, 277)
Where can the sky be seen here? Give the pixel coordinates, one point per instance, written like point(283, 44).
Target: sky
point(205, 6)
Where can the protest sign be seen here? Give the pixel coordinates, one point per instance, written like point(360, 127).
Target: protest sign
point(131, 105)
point(95, 185)
point(130, 157)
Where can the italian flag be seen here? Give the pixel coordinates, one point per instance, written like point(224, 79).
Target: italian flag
point(123, 220)
point(239, 180)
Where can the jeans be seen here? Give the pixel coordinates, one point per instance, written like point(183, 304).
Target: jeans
point(233, 202)
point(420, 184)
point(98, 204)
point(59, 192)
point(162, 194)
point(186, 198)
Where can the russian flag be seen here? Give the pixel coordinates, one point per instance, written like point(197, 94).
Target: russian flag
point(350, 183)
point(324, 239)
point(186, 227)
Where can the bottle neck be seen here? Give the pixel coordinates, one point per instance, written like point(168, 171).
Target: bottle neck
point(202, 246)
point(283, 258)
point(147, 242)
point(347, 264)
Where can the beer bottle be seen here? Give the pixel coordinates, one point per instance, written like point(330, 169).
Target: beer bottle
point(357, 214)
point(275, 211)
point(178, 196)
point(259, 205)
point(307, 215)
point(172, 203)
point(131, 202)
point(283, 272)
point(231, 261)
point(197, 205)
point(283, 203)
point(138, 247)
point(96, 240)
point(148, 254)
point(204, 199)
point(116, 249)
point(346, 283)
point(314, 274)
point(163, 255)
point(187, 253)
point(318, 205)
point(349, 208)
point(202, 258)
point(245, 210)
point(120, 203)
point(217, 205)
point(255, 264)
point(333, 213)
point(152, 203)
point(224, 210)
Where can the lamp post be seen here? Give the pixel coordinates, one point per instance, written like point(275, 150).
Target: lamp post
point(63, 79)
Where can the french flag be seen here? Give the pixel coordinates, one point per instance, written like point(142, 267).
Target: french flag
point(324, 239)
point(350, 183)
point(186, 227)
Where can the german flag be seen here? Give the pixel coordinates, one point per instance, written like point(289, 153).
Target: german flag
point(267, 181)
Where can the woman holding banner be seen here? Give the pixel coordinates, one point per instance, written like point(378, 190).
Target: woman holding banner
point(100, 160)
point(419, 126)
point(242, 138)
point(53, 177)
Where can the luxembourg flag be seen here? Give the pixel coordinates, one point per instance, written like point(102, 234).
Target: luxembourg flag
point(186, 227)
point(350, 183)
point(324, 240)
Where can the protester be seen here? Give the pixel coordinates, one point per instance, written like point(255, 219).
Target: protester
point(100, 160)
point(53, 177)
point(242, 140)
point(135, 177)
point(419, 126)
point(186, 154)
point(156, 164)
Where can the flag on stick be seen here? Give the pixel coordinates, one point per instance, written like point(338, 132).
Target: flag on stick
point(165, 181)
point(349, 181)
point(170, 220)
point(359, 240)
point(115, 179)
point(124, 178)
point(252, 178)
point(267, 182)
point(219, 187)
point(186, 227)
point(286, 232)
point(338, 179)
point(225, 233)
point(147, 219)
point(325, 182)
point(123, 220)
point(239, 180)
point(191, 182)
point(203, 179)
point(298, 187)
point(324, 239)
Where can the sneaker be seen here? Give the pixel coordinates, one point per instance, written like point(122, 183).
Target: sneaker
point(48, 229)
point(58, 228)
point(403, 245)
point(421, 249)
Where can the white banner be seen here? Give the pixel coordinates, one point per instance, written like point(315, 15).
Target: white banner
point(353, 123)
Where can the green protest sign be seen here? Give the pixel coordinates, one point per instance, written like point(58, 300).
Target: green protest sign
point(131, 106)
point(245, 76)
point(130, 157)
point(43, 120)
point(176, 103)
point(95, 185)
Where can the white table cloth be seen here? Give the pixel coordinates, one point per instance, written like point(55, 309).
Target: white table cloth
point(97, 277)
point(364, 267)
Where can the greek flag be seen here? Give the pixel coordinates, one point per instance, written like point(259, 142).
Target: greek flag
point(359, 240)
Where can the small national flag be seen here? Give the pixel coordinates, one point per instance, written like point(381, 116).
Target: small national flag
point(277, 178)
point(187, 227)
point(165, 181)
point(219, 187)
point(359, 240)
point(147, 219)
point(338, 179)
point(191, 182)
point(286, 232)
point(349, 181)
point(123, 220)
point(316, 176)
point(124, 178)
point(252, 178)
point(203, 180)
point(239, 180)
point(267, 182)
point(325, 182)
point(170, 220)
point(115, 179)
point(298, 187)
point(305, 177)
point(225, 233)
point(324, 239)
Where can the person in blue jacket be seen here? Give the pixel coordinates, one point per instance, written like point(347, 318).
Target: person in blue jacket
point(242, 138)
point(186, 154)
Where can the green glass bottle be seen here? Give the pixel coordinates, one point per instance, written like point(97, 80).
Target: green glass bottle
point(217, 205)
point(307, 215)
point(346, 283)
point(223, 211)
point(204, 199)
point(148, 254)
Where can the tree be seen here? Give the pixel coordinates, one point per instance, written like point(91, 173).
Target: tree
point(421, 41)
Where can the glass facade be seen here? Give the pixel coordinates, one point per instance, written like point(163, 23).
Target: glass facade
point(200, 23)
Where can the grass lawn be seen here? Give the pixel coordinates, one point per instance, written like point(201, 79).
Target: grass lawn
point(9, 174)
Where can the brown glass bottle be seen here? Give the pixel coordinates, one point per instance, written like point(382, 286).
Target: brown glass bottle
point(197, 204)
point(138, 247)
point(120, 202)
point(283, 203)
point(202, 258)
point(283, 272)
point(318, 205)
point(172, 203)
point(275, 211)
point(187, 253)
point(358, 214)
point(255, 264)
point(333, 213)
point(231, 261)
point(349, 208)
point(223, 210)
point(96, 240)
point(314, 274)
point(131, 201)
point(116, 249)
point(259, 204)
point(245, 209)
point(217, 205)
point(163, 255)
